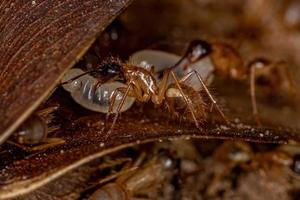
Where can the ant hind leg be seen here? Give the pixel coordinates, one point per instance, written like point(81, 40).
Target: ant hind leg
point(214, 102)
point(186, 99)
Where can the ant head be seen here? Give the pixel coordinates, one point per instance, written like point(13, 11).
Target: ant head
point(197, 50)
point(110, 69)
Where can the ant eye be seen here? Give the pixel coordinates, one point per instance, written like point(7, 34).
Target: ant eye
point(110, 69)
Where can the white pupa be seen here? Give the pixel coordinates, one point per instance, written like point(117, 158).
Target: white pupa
point(162, 60)
point(83, 92)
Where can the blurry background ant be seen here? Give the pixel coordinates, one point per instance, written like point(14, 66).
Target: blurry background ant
point(244, 160)
point(227, 62)
point(170, 169)
point(135, 180)
point(142, 84)
point(32, 135)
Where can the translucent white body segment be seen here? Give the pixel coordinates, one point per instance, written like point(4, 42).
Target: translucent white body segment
point(162, 60)
point(83, 92)
point(159, 59)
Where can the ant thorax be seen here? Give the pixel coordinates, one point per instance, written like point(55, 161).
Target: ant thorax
point(98, 99)
point(162, 60)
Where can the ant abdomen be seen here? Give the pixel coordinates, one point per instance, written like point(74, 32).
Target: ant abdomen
point(162, 60)
point(84, 92)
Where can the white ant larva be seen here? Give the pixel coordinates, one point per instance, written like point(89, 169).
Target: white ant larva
point(162, 60)
point(98, 99)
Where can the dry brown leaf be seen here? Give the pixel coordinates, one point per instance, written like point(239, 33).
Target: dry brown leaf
point(39, 41)
point(85, 141)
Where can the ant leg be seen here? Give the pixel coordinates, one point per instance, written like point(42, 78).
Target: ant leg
point(118, 108)
point(128, 172)
point(48, 143)
point(112, 176)
point(113, 99)
point(113, 163)
point(112, 104)
point(170, 104)
point(47, 114)
point(131, 167)
point(214, 102)
point(253, 96)
point(187, 101)
point(96, 86)
point(52, 129)
point(137, 92)
point(125, 172)
point(140, 159)
point(46, 111)
point(162, 88)
point(211, 97)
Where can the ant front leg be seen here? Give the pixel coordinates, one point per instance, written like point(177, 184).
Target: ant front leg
point(214, 102)
point(112, 104)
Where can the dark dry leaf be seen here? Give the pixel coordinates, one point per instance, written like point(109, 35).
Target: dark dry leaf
point(67, 187)
point(39, 41)
point(85, 142)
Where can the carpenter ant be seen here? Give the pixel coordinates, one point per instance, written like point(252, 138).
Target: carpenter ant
point(144, 86)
